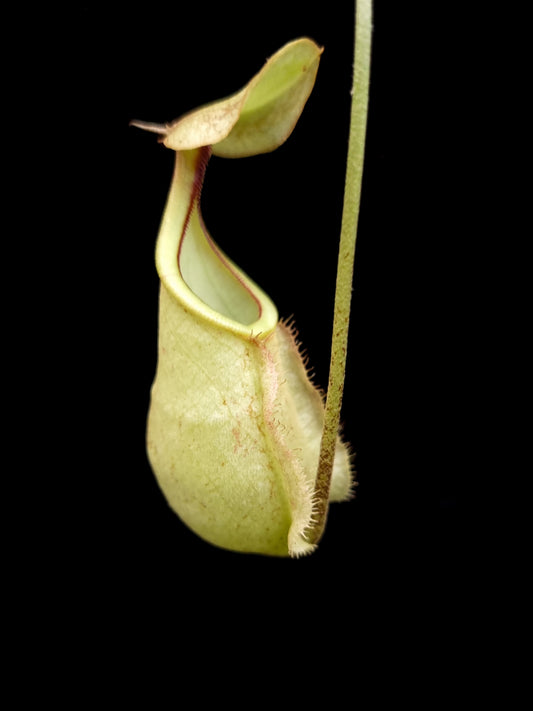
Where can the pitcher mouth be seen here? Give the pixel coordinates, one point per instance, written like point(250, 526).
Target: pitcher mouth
point(205, 268)
point(199, 274)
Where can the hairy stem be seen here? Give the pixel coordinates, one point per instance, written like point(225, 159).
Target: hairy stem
point(343, 290)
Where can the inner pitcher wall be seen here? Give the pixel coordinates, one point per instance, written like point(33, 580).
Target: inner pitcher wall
point(207, 273)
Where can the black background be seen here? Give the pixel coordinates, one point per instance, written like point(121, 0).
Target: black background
point(278, 216)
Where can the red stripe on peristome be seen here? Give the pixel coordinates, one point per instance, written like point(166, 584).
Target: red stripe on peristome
point(199, 172)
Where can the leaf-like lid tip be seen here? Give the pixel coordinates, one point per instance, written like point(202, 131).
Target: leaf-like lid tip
point(259, 117)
